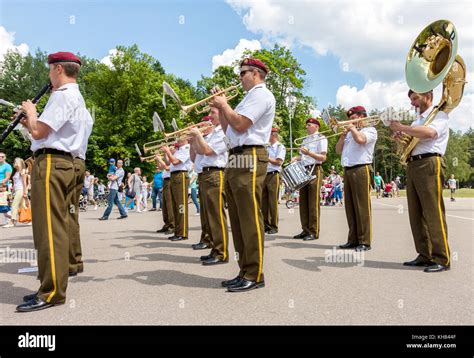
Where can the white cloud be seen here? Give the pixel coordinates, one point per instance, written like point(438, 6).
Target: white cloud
point(230, 55)
point(7, 40)
point(370, 37)
point(107, 60)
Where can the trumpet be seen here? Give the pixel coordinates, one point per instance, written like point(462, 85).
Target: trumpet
point(150, 158)
point(229, 92)
point(184, 132)
point(335, 126)
point(154, 146)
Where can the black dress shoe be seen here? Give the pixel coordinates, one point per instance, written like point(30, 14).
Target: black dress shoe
point(103, 219)
point(363, 248)
point(72, 273)
point(35, 304)
point(29, 297)
point(162, 230)
point(436, 268)
point(272, 232)
point(213, 261)
point(348, 245)
point(233, 282)
point(418, 262)
point(206, 257)
point(171, 237)
point(200, 246)
point(302, 235)
point(245, 285)
point(310, 237)
point(122, 217)
point(179, 238)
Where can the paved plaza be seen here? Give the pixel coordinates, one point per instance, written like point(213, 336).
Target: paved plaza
point(135, 276)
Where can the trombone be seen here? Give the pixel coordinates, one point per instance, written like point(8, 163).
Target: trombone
point(229, 92)
point(335, 125)
point(155, 146)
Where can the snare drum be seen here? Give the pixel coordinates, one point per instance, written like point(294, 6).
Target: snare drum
point(296, 176)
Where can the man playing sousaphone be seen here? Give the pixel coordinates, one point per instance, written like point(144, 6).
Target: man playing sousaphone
point(425, 179)
point(313, 154)
point(356, 144)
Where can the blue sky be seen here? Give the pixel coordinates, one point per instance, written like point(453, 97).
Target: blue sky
point(209, 28)
point(353, 51)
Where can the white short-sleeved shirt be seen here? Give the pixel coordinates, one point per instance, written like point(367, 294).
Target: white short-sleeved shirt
point(354, 153)
point(258, 105)
point(215, 140)
point(66, 114)
point(88, 181)
point(452, 183)
point(318, 147)
point(275, 151)
point(440, 125)
point(182, 154)
point(166, 174)
point(197, 163)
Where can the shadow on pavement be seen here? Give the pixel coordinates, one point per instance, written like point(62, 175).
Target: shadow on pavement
point(314, 264)
point(11, 294)
point(172, 277)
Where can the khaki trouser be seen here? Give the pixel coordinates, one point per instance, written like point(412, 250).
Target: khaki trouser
point(310, 212)
point(358, 205)
point(425, 178)
point(168, 217)
point(205, 238)
point(18, 202)
point(75, 250)
point(52, 188)
point(213, 198)
point(243, 186)
point(179, 197)
point(271, 191)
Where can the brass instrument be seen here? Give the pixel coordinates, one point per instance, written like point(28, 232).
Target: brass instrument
point(150, 158)
point(229, 92)
point(432, 59)
point(184, 132)
point(154, 146)
point(335, 125)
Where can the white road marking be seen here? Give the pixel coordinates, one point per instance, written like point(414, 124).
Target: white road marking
point(397, 206)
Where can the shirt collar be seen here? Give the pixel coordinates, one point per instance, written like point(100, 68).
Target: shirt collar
point(260, 85)
point(426, 113)
point(68, 85)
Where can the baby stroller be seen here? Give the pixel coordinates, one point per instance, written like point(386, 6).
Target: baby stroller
point(387, 191)
point(83, 202)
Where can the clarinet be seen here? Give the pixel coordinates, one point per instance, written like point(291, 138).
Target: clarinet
point(22, 114)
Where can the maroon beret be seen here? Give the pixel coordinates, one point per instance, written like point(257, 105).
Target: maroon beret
point(275, 130)
point(254, 63)
point(63, 57)
point(314, 121)
point(206, 119)
point(356, 110)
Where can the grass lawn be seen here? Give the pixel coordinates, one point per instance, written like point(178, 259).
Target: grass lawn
point(460, 193)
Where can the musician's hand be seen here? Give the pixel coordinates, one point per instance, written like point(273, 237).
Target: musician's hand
point(218, 102)
point(396, 126)
point(158, 156)
point(29, 108)
point(295, 159)
point(166, 149)
point(194, 132)
point(350, 127)
point(397, 135)
point(304, 150)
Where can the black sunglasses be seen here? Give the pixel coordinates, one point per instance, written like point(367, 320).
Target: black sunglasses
point(242, 73)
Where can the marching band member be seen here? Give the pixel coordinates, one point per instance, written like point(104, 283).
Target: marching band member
point(425, 180)
point(180, 164)
point(356, 145)
point(59, 135)
point(313, 154)
point(248, 129)
point(196, 158)
point(271, 185)
point(214, 154)
point(168, 217)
